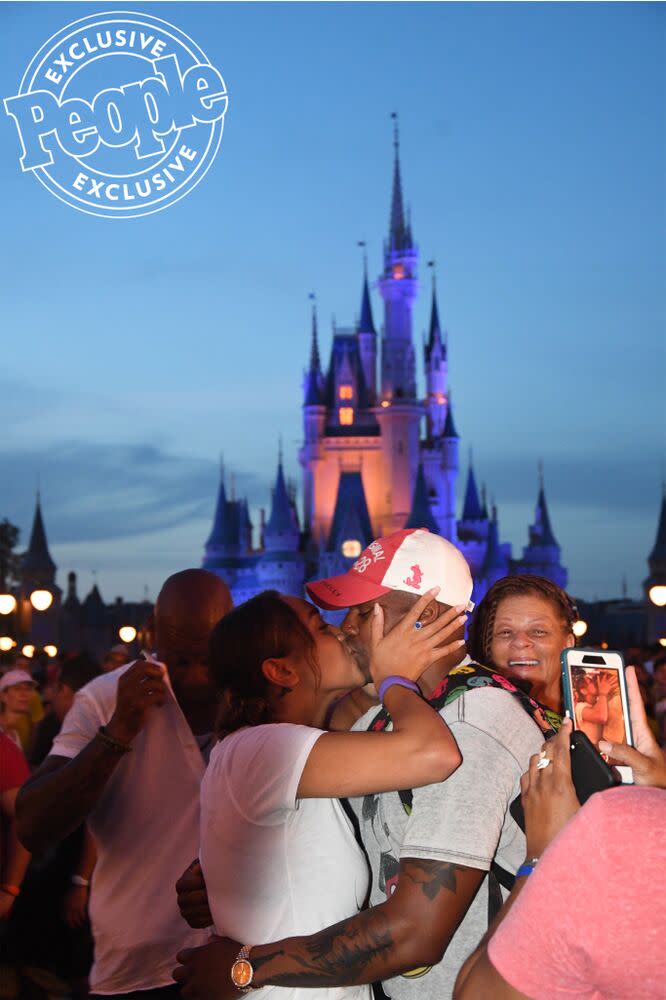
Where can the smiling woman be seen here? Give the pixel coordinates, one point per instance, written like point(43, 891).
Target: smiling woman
point(520, 628)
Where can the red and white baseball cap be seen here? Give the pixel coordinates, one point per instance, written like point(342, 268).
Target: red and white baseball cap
point(413, 560)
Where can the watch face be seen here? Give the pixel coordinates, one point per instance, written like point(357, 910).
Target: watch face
point(241, 973)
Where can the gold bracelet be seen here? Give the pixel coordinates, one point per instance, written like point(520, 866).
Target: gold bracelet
point(112, 743)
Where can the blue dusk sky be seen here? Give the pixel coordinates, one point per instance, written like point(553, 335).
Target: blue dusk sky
point(135, 353)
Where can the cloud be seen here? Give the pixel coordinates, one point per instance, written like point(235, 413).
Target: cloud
point(98, 492)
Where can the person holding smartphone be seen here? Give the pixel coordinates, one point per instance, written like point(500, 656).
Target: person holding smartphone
point(587, 915)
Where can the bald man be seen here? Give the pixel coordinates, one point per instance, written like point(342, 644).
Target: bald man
point(128, 761)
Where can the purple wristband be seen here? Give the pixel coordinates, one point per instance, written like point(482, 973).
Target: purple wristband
point(400, 681)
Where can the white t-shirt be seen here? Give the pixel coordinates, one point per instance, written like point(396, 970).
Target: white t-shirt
point(276, 866)
point(146, 828)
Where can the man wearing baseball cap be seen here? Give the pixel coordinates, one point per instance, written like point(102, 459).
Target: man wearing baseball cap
point(430, 850)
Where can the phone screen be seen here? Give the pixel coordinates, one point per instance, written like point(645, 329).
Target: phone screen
point(597, 700)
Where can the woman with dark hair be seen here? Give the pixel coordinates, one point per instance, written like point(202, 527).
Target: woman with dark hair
point(278, 852)
point(520, 628)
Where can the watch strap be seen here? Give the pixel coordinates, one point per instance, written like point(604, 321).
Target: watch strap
point(243, 956)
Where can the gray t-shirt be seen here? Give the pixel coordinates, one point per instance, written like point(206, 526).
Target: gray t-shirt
point(463, 820)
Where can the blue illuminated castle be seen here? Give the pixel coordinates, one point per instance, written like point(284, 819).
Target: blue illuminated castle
point(376, 456)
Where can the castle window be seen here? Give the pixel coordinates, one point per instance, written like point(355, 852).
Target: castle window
point(346, 415)
point(345, 392)
point(351, 548)
point(398, 271)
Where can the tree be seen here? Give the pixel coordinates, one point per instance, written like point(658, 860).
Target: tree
point(10, 561)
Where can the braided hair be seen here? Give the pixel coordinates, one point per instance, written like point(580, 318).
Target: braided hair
point(260, 629)
point(481, 629)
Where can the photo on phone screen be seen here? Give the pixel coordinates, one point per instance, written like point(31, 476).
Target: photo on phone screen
point(595, 694)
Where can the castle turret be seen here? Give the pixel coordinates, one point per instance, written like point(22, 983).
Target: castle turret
point(399, 412)
point(281, 531)
point(421, 515)
point(223, 539)
point(282, 565)
point(541, 555)
point(398, 286)
point(38, 572)
point(449, 447)
point(436, 372)
point(472, 526)
point(38, 569)
point(367, 340)
point(314, 422)
point(496, 561)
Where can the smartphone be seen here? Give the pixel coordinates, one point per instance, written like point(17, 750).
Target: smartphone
point(594, 687)
point(589, 772)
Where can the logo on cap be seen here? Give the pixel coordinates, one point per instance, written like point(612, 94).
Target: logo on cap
point(416, 577)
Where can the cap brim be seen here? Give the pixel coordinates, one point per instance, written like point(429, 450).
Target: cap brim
point(344, 591)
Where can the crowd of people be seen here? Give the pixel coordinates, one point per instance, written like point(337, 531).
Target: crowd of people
point(265, 801)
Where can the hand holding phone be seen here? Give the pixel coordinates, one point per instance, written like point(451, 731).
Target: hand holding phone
point(646, 759)
point(595, 694)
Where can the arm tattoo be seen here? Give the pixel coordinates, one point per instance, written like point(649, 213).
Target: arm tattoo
point(369, 946)
point(338, 955)
point(431, 876)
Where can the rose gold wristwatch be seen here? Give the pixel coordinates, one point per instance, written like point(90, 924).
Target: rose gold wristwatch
point(242, 972)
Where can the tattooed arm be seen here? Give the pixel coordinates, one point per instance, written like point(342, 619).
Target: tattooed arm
point(411, 929)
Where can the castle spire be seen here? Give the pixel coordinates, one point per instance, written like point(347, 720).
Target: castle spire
point(219, 532)
point(313, 377)
point(399, 235)
point(449, 427)
point(435, 334)
point(282, 521)
point(315, 362)
point(38, 558)
point(657, 557)
point(471, 508)
point(366, 322)
point(421, 515)
point(542, 529)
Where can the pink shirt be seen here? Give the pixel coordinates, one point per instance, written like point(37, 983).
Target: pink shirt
point(591, 921)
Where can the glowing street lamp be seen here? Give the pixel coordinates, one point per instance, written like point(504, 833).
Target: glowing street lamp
point(657, 594)
point(51, 651)
point(579, 628)
point(662, 642)
point(41, 599)
point(6, 643)
point(7, 604)
point(127, 633)
point(28, 650)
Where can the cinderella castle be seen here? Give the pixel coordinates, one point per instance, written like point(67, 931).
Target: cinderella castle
point(376, 457)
